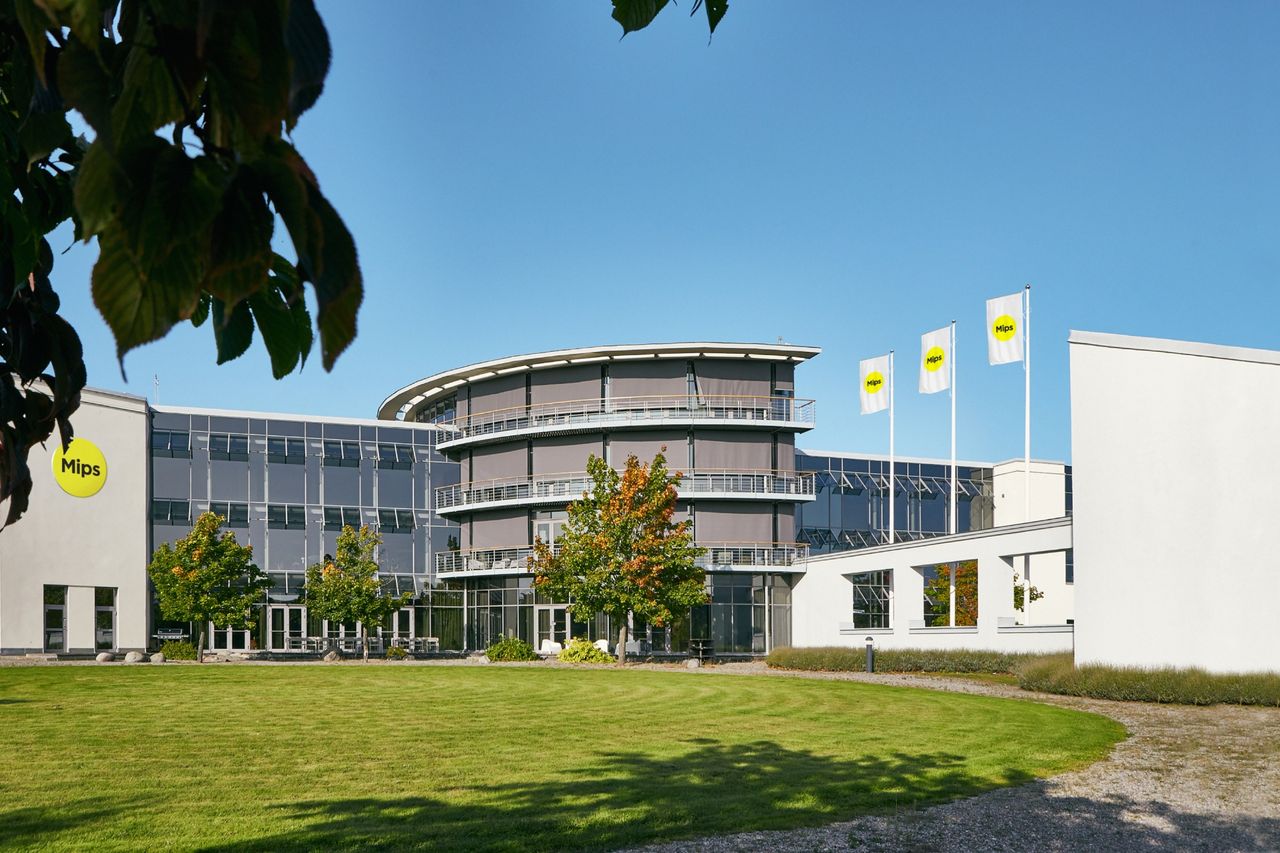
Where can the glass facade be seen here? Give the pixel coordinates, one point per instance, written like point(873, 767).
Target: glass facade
point(852, 506)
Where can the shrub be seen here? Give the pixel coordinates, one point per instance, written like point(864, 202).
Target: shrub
point(178, 650)
point(1059, 674)
point(396, 653)
point(854, 659)
point(584, 651)
point(510, 648)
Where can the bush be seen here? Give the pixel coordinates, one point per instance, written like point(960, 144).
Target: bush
point(584, 651)
point(396, 653)
point(511, 648)
point(1059, 674)
point(854, 659)
point(178, 650)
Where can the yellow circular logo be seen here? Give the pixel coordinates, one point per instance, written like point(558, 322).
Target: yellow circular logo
point(934, 359)
point(1004, 328)
point(82, 470)
point(874, 382)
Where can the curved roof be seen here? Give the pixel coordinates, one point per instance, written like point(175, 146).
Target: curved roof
point(416, 394)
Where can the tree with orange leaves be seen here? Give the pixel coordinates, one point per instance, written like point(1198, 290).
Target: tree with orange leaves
point(622, 552)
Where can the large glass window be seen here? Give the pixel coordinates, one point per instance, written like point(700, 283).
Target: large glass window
point(236, 514)
point(939, 583)
point(286, 517)
point(165, 511)
point(55, 618)
point(171, 443)
point(342, 454)
point(104, 618)
point(872, 599)
point(289, 451)
point(229, 446)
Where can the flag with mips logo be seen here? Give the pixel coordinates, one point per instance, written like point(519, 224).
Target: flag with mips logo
point(935, 361)
point(1004, 328)
point(873, 383)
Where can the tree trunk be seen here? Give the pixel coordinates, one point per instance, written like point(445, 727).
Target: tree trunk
point(200, 645)
point(622, 642)
point(364, 633)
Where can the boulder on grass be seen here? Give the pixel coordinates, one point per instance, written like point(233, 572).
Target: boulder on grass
point(693, 663)
point(105, 657)
point(332, 656)
point(135, 657)
point(158, 657)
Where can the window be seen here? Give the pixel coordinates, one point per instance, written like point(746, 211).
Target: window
point(938, 586)
point(1071, 565)
point(165, 511)
point(337, 517)
point(395, 521)
point(55, 618)
point(290, 451)
point(104, 618)
point(443, 410)
point(345, 454)
point(286, 517)
point(171, 443)
point(236, 514)
point(872, 599)
point(397, 456)
point(229, 446)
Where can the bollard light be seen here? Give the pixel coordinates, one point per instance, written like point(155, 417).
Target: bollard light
point(871, 654)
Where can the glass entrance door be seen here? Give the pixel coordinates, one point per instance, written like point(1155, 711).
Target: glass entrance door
point(553, 625)
point(286, 625)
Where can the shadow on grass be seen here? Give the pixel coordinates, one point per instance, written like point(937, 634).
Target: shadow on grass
point(4, 701)
point(31, 827)
point(630, 798)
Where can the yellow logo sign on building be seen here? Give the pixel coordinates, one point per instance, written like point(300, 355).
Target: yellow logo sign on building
point(81, 470)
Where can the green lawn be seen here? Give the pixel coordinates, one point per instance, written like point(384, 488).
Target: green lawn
point(511, 758)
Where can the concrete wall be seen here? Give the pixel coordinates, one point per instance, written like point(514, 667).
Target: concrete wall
point(1175, 460)
point(1047, 572)
point(83, 543)
point(822, 600)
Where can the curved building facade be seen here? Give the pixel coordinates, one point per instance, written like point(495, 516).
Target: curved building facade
point(522, 428)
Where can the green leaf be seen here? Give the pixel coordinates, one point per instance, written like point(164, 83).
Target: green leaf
point(85, 84)
point(99, 186)
point(240, 248)
point(202, 311)
point(148, 99)
point(636, 14)
point(35, 23)
point(715, 11)
point(83, 17)
point(279, 334)
point(232, 331)
point(308, 43)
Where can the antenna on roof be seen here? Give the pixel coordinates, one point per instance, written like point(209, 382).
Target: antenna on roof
point(155, 389)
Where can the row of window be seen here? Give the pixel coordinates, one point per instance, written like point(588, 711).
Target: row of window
point(290, 451)
point(282, 516)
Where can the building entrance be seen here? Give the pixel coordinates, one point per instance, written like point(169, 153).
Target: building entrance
point(286, 627)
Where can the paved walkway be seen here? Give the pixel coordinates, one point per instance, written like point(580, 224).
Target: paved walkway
point(1187, 778)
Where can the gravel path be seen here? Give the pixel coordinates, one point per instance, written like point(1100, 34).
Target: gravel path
point(1186, 779)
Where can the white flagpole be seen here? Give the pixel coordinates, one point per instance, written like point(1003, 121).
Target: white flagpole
point(892, 478)
point(955, 525)
point(1026, 450)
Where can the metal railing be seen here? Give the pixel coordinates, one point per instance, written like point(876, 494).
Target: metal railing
point(615, 411)
point(570, 487)
point(718, 556)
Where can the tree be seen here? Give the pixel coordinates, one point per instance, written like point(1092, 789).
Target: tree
point(1020, 591)
point(637, 14)
point(938, 592)
point(206, 577)
point(346, 588)
point(621, 552)
point(181, 185)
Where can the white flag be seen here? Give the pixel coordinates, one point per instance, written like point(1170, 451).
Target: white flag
point(873, 375)
point(935, 361)
point(1004, 329)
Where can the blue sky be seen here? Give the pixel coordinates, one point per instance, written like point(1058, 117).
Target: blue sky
point(848, 175)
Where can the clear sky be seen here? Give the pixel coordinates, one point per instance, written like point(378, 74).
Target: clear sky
point(847, 175)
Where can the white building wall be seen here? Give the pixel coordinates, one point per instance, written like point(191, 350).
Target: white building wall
point(1047, 572)
point(83, 543)
point(1176, 457)
point(822, 600)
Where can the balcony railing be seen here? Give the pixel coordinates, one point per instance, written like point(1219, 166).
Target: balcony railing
point(565, 488)
point(719, 556)
point(618, 412)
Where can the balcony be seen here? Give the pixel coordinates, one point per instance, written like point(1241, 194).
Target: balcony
point(655, 412)
point(719, 557)
point(561, 489)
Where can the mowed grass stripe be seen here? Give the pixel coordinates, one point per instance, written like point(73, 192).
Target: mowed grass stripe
point(471, 758)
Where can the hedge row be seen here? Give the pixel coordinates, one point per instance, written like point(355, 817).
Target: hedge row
point(1058, 674)
point(845, 659)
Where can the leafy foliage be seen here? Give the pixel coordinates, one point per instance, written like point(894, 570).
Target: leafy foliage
point(938, 592)
point(1020, 591)
point(1059, 674)
point(584, 651)
point(346, 587)
point(178, 650)
point(622, 553)
point(184, 220)
point(396, 653)
point(637, 14)
point(853, 659)
point(207, 576)
point(510, 648)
